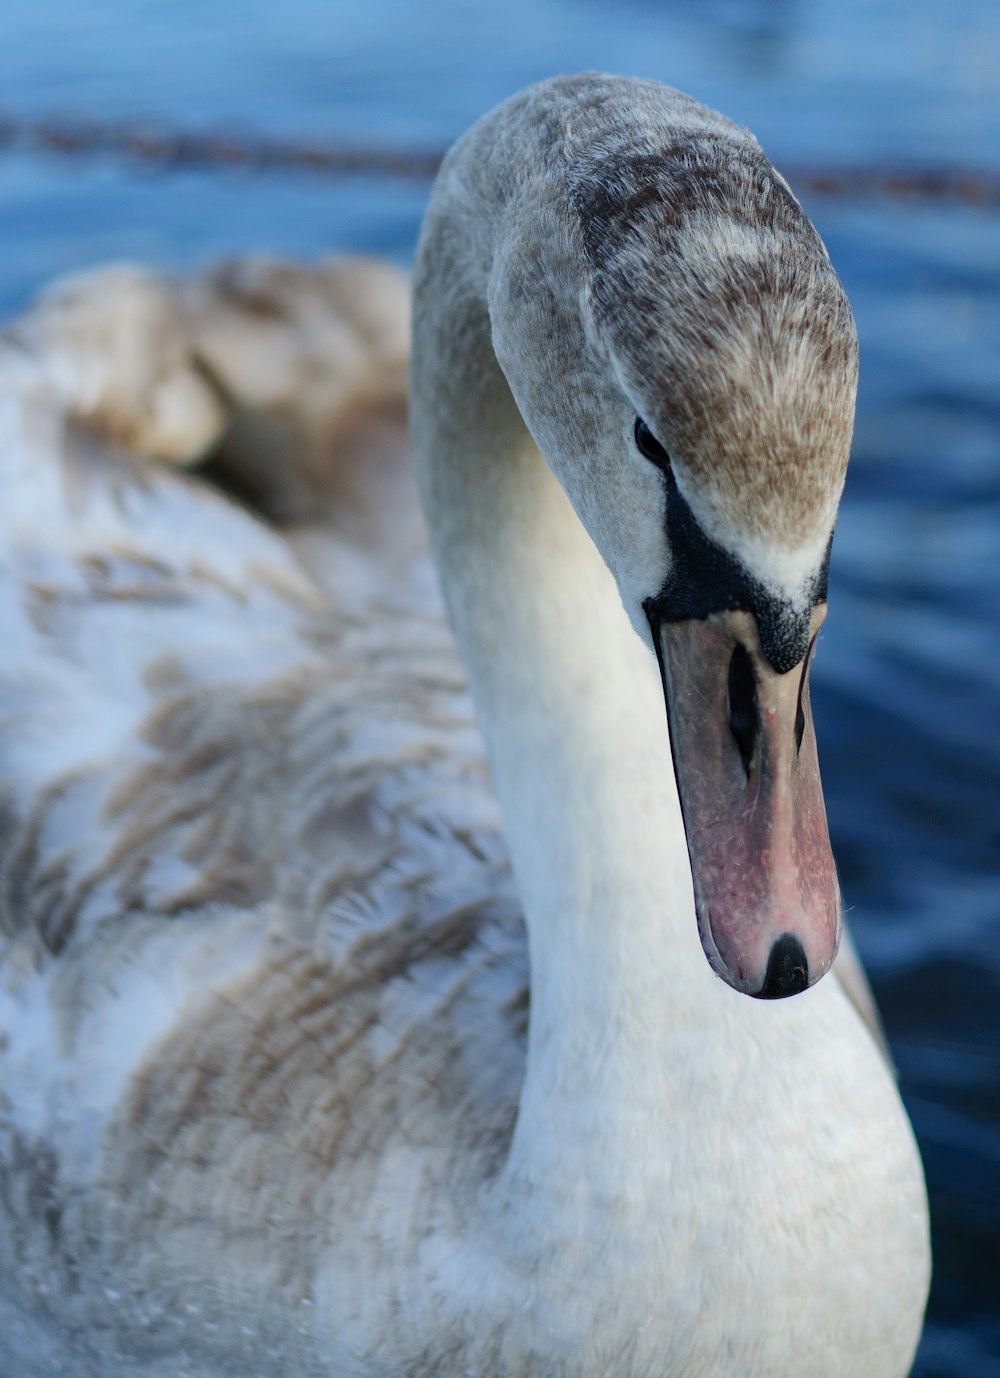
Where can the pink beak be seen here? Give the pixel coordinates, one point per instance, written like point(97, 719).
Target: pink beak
point(765, 883)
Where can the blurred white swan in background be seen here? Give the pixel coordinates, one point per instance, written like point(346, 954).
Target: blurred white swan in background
point(269, 1103)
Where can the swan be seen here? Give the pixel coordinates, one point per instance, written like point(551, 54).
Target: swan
point(309, 1066)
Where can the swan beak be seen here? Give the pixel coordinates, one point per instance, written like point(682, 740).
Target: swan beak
point(765, 883)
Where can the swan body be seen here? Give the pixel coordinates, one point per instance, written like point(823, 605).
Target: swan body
point(271, 1098)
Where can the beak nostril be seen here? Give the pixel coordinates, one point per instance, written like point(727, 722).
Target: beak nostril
point(744, 718)
point(800, 723)
point(800, 713)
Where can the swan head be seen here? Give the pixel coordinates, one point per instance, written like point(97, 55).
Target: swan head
point(693, 390)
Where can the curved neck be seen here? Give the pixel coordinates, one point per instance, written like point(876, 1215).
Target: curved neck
point(572, 713)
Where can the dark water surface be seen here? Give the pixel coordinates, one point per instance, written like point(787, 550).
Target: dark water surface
point(908, 673)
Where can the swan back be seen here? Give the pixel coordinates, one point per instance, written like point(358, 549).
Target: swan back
point(247, 856)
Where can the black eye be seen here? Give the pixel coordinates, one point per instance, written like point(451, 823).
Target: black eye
point(649, 446)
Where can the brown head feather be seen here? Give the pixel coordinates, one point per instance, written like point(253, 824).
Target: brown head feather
point(716, 299)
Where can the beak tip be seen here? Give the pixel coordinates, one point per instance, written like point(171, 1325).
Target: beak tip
point(787, 970)
point(793, 963)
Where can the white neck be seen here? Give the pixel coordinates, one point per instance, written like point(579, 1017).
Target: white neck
point(572, 712)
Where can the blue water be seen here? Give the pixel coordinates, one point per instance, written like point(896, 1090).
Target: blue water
point(908, 673)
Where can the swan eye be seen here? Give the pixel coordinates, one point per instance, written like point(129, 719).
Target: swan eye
point(648, 445)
